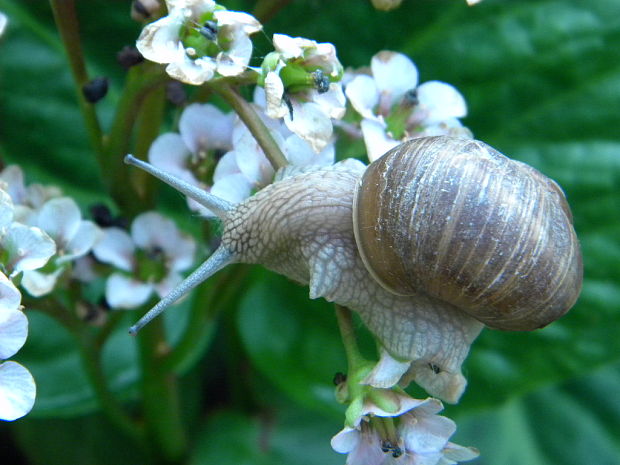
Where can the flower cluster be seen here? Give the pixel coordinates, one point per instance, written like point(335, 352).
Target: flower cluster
point(199, 40)
point(150, 258)
point(386, 426)
point(301, 85)
point(24, 249)
point(44, 208)
point(395, 108)
point(205, 131)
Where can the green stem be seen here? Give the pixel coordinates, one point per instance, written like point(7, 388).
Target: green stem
point(148, 123)
point(256, 126)
point(160, 396)
point(141, 80)
point(91, 361)
point(68, 26)
point(347, 333)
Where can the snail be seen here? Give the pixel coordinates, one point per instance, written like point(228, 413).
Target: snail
point(436, 238)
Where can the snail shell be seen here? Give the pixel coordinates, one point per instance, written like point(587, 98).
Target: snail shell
point(456, 220)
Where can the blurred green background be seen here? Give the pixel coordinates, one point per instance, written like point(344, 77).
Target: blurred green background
point(542, 80)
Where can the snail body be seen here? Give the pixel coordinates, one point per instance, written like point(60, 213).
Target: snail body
point(304, 227)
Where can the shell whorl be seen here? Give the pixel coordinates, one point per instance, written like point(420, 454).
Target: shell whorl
point(457, 220)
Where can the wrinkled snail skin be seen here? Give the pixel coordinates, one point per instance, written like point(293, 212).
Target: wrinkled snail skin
point(457, 220)
point(302, 227)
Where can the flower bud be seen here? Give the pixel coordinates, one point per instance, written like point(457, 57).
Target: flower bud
point(143, 10)
point(96, 89)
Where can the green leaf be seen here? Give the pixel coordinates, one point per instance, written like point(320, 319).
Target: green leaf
point(293, 341)
point(573, 423)
point(288, 436)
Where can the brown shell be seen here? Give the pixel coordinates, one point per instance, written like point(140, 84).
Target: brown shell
point(459, 221)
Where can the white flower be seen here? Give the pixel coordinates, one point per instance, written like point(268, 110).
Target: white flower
point(300, 81)
point(28, 248)
point(199, 39)
point(26, 199)
point(60, 218)
point(203, 128)
point(25, 247)
point(17, 391)
point(421, 436)
point(3, 22)
point(154, 254)
point(244, 167)
point(395, 108)
point(17, 388)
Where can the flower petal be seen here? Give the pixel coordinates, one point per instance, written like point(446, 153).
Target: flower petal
point(195, 72)
point(363, 95)
point(169, 153)
point(311, 124)
point(160, 42)
point(38, 284)
point(204, 127)
point(60, 218)
point(394, 74)
point(7, 209)
point(246, 22)
point(115, 248)
point(226, 166)
point(86, 236)
point(13, 332)
point(440, 101)
point(376, 139)
point(424, 435)
point(13, 176)
point(10, 297)
point(387, 372)
point(17, 391)
point(346, 440)
point(126, 293)
point(299, 153)
point(234, 188)
point(28, 247)
point(274, 93)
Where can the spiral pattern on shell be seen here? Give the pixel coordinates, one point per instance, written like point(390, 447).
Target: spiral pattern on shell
point(457, 220)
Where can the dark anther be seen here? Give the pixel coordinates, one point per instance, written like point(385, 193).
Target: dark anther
point(435, 368)
point(129, 56)
point(143, 10)
point(321, 82)
point(287, 100)
point(95, 90)
point(209, 30)
point(388, 447)
point(103, 217)
point(140, 9)
point(411, 98)
point(339, 378)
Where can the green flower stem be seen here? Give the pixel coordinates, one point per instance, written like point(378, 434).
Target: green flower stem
point(254, 124)
point(90, 351)
point(148, 124)
point(68, 26)
point(161, 406)
point(206, 306)
point(141, 81)
point(347, 333)
point(267, 9)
